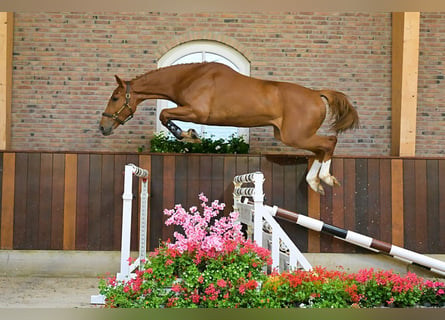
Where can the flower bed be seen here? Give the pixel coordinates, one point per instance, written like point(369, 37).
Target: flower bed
point(212, 265)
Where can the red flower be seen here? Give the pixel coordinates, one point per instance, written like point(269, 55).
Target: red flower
point(221, 283)
point(176, 288)
point(251, 284)
point(242, 289)
point(195, 298)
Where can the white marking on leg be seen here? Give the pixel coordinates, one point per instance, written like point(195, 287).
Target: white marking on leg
point(312, 176)
point(324, 173)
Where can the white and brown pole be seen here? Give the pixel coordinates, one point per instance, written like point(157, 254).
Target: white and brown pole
point(361, 240)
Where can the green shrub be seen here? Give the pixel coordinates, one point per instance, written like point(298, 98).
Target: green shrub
point(168, 144)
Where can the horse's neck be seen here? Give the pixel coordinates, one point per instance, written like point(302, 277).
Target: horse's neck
point(158, 84)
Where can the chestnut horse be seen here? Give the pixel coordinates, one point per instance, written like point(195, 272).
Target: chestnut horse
point(214, 94)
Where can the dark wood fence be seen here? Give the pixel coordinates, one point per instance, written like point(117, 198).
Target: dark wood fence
point(73, 201)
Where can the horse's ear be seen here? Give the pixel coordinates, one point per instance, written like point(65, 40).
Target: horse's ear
point(119, 81)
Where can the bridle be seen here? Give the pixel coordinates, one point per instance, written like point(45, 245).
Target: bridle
point(126, 105)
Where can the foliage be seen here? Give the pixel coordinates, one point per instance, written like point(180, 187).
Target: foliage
point(211, 265)
point(322, 288)
point(167, 143)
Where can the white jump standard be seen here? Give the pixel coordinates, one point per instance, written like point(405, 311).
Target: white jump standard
point(127, 196)
point(126, 268)
point(279, 238)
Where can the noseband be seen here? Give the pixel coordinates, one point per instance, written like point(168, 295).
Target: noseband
point(126, 105)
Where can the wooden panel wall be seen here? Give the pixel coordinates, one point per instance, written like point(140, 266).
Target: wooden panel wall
point(74, 201)
point(180, 179)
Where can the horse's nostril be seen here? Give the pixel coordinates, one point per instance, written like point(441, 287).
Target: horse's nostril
point(106, 131)
point(103, 130)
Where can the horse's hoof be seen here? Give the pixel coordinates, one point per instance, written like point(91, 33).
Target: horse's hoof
point(317, 187)
point(336, 182)
point(190, 136)
point(330, 180)
point(193, 134)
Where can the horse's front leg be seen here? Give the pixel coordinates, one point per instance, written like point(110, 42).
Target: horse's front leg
point(189, 136)
point(178, 113)
point(174, 129)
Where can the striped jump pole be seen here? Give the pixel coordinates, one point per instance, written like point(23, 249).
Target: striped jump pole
point(355, 238)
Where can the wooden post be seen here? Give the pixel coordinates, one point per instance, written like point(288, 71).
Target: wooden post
point(405, 62)
point(6, 35)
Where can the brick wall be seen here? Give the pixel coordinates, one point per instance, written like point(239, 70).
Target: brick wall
point(64, 65)
point(431, 99)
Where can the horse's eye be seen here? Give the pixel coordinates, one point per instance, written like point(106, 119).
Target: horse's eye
point(114, 99)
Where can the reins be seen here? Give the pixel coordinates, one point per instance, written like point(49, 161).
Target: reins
point(126, 105)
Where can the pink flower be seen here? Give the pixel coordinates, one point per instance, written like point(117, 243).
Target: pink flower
point(202, 197)
point(198, 233)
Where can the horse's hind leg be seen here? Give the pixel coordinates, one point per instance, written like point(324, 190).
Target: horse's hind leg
point(325, 175)
point(312, 177)
point(323, 147)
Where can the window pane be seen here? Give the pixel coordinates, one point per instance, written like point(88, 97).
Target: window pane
point(213, 57)
point(190, 58)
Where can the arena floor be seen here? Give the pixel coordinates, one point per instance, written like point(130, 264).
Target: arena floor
point(47, 292)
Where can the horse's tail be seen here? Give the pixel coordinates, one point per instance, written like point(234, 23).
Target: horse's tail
point(344, 116)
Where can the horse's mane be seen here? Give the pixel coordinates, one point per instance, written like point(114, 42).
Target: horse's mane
point(168, 67)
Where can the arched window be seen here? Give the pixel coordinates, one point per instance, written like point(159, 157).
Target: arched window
point(199, 51)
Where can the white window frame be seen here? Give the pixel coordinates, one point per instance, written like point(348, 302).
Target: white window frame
point(174, 55)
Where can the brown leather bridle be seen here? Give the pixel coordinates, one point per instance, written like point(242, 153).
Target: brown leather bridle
point(126, 105)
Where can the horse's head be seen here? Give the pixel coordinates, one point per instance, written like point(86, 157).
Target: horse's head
point(120, 108)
